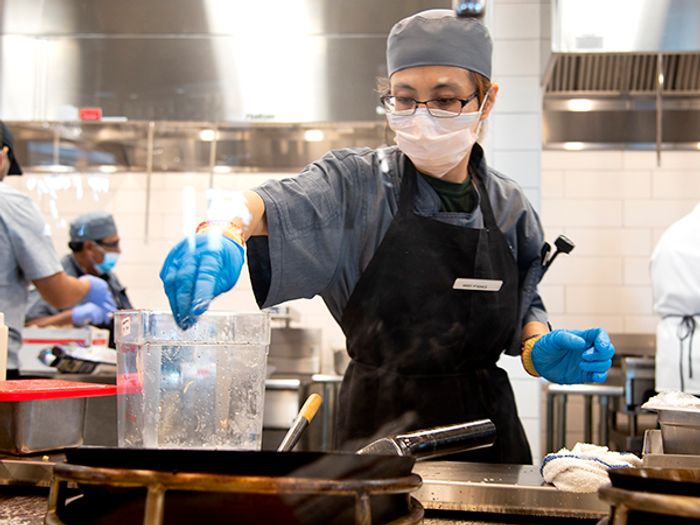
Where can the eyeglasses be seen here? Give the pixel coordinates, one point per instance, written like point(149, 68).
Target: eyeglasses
point(438, 107)
point(113, 244)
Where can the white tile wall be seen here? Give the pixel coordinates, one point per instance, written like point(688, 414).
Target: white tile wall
point(523, 166)
point(516, 57)
point(604, 241)
point(515, 21)
point(584, 212)
point(614, 205)
point(516, 131)
point(519, 94)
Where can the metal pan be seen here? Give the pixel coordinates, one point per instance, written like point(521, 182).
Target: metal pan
point(680, 482)
point(322, 465)
point(389, 457)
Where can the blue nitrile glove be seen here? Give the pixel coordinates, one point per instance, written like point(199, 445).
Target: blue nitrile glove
point(99, 294)
point(89, 313)
point(197, 270)
point(574, 356)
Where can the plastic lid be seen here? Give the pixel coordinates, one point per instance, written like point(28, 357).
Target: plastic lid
point(35, 389)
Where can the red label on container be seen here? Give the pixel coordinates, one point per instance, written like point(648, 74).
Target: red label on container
point(90, 113)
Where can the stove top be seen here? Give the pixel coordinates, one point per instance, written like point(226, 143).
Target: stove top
point(35, 470)
point(500, 489)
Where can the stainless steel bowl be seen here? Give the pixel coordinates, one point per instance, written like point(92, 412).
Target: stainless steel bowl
point(680, 431)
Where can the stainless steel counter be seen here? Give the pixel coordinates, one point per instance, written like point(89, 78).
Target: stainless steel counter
point(32, 471)
point(515, 490)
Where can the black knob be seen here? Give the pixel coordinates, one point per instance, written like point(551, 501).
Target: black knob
point(470, 8)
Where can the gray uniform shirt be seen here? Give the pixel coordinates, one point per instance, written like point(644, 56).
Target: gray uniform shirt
point(326, 224)
point(26, 254)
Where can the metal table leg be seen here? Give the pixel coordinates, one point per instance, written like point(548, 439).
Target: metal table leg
point(604, 429)
point(550, 421)
point(588, 419)
point(561, 421)
point(633, 424)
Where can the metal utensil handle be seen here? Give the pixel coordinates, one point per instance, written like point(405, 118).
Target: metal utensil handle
point(450, 439)
point(306, 414)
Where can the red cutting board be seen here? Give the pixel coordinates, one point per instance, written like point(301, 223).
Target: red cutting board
point(35, 389)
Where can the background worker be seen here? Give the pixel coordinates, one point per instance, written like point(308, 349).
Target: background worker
point(27, 256)
point(675, 284)
point(95, 250)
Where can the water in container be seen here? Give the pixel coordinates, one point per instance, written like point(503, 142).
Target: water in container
point(200, 388)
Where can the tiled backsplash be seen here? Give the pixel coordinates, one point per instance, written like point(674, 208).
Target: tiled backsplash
point(614, 205)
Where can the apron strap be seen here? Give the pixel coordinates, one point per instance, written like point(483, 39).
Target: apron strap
point(686, 330)
point(408, 183)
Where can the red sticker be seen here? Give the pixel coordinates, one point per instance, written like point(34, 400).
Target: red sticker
point(90, 113)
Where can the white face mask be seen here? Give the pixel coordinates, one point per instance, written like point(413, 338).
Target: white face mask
point(436, 145)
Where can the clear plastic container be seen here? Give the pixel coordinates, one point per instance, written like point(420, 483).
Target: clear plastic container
point(200, 388)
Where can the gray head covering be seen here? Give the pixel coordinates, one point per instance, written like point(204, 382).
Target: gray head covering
point(92, 227)
point(439, 38)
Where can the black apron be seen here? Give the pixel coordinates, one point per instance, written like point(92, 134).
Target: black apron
point(424, 354)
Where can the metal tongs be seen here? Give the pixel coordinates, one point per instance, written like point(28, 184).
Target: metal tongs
point(563, 245)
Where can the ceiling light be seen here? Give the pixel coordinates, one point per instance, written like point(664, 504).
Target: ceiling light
point(573, 146)
point(580, 104)
point(208, 135)
point(314, 135)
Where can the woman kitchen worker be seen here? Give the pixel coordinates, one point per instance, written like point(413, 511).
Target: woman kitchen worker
point(428, 259)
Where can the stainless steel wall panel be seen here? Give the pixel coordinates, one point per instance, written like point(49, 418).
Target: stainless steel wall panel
point(216, 60)
point(199, 79)
point(203, 17)
point(625, 26)
point(181, 146)
point(617, 128)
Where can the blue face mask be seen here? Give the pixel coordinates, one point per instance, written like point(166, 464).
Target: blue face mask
point(108, 263)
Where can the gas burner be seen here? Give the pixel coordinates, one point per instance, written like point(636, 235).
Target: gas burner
point(115, 495)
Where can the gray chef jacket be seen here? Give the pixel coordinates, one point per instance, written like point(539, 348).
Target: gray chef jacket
point(26, 254)
point(326, 224)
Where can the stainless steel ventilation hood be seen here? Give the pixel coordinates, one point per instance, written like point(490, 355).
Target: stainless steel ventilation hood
point(277, 61)
point(623, 73)
point(195, 85)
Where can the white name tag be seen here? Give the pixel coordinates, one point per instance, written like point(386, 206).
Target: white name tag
point(482, 285)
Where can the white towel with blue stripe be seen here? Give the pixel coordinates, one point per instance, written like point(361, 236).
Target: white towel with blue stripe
point(585, 467)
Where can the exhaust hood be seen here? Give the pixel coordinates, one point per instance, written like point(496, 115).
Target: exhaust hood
point(192, 85)
point(623, 74)
point(278, 61)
